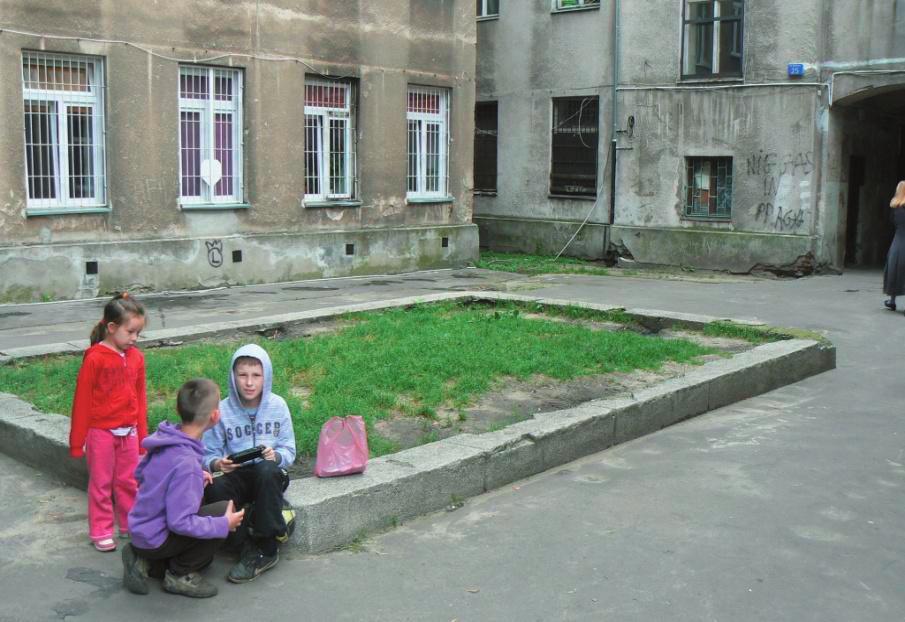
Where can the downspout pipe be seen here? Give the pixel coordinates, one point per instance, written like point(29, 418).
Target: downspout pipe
point(613, 112)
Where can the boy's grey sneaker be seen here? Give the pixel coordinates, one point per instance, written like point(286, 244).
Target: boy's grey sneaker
point(252, 564)
point(191, 584)
point(135, 571)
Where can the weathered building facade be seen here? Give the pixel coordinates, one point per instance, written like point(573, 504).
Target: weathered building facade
point(740, 134)
point(164, 145)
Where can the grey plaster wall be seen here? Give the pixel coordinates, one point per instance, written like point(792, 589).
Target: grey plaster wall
point(527, 57)
point(385, 46)
point(772, 126)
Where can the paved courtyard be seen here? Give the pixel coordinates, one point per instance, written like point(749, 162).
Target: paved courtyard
point(783, 507)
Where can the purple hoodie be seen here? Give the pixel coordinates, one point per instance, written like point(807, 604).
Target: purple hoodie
point(170, 490)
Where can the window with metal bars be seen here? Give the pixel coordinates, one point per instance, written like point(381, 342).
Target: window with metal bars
point(712, 38)
point(573, 169)
point(488, 8)
point(210, 135)
point(63, 98)
point(329, 140)
point(565, 5)
point(428, 136)
point(485, 147)
point(708, 187)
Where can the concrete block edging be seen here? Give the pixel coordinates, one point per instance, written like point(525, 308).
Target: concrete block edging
point(398, 487)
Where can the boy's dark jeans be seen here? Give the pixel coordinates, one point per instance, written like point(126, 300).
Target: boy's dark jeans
point(261, 483)
point(184, 554)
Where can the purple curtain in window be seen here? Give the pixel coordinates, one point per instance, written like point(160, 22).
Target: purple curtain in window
point(190, 132)
point(223, 151)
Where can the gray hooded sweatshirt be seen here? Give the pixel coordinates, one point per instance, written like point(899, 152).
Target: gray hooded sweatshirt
point(242, 428)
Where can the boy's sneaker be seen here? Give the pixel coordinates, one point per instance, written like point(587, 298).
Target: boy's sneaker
point(135, 571)
point(191, 584)
point(252, 564)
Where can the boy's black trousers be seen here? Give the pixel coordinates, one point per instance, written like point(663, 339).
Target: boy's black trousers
point(261, 483)
point(184, 554)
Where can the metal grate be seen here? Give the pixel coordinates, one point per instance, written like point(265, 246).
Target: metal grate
point(485, 147)
point(210, 135)
point(708, 187)
point(329, 140)
point(63, 97)
point(573, 169)
point(428, 138)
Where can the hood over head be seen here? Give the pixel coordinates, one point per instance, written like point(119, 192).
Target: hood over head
point(256, 352)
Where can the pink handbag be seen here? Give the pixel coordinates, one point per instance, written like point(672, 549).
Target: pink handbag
point(342, 448)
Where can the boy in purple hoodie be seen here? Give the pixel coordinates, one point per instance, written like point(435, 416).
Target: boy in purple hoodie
point(168, 523)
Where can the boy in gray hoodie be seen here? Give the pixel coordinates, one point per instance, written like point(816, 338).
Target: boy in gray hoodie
point(252, 415)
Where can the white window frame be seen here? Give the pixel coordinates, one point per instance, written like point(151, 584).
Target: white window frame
point(580, 6)
point(483, 7)
point(62, 100)
point(208, 109)
point(423, 120)
point(735, 21)
point(324, 116)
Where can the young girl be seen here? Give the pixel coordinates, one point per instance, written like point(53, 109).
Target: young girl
point(109, 417)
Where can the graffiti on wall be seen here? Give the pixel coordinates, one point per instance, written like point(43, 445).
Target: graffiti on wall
point(215, 253)
point(775, 174)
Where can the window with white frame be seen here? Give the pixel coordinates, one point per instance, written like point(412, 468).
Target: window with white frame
point(210, 135)
point(329, 140)
point(713, 38)
point(488, 8)
point(428, 138)
point(63, 98)
point(565, 5)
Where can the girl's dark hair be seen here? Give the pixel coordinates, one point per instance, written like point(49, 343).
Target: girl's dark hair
point(117, 311)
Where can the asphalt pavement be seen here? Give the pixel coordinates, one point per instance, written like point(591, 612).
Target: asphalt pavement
point(787, 506)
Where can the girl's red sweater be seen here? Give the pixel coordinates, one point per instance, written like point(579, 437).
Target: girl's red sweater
point(109, 393)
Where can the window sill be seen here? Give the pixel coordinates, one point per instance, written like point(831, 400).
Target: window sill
point(701, 81)
point(488, 18)
point(717, 219)
point(573, 197)
point(338, 203)
point(202, 207)
point(66, 211)
point(425, 200)
point(572, 9)
point(484, 193)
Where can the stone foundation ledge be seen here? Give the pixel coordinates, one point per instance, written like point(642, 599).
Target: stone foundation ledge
point(336, 511)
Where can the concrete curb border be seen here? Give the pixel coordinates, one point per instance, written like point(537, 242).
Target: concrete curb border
point(398, 487)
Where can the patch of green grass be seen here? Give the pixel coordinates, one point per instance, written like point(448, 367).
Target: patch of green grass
point(538, 264)
point(402, 361)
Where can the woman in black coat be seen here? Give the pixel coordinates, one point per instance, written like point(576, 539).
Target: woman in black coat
point(894, 274)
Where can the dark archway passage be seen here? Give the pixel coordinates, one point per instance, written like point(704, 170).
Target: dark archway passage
point(873, 161)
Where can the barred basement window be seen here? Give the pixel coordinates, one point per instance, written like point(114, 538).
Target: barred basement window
point(329, 140)
point(485, 147)
point(210, 135)
point(428, 137)
point(488, 8)
point(63, 97)
point(708, 187)
point(574, 147)
point(712, 38)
